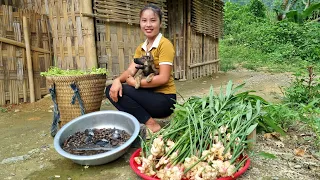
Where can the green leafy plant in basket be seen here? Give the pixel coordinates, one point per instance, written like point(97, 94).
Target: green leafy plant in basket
point(77, 92)
point(55, 71)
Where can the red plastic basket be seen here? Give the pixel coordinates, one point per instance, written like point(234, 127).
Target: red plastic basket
point(134, 167)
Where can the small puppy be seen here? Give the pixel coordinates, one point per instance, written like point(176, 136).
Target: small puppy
point(146, 68)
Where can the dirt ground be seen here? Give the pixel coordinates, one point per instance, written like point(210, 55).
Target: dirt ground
point(27, 152)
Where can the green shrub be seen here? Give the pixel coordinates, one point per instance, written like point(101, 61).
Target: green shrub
point(305, 89)
point(286, 41)
point(303, 95)
point(282, 114)
point(257, 8)
point(236, 18)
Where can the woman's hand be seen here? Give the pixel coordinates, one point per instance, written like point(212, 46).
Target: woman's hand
point(131, 81)
point(115, 90)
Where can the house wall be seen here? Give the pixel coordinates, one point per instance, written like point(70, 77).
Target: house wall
point(193, 26)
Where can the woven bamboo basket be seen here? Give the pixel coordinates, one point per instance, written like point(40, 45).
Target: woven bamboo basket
point(91, 89)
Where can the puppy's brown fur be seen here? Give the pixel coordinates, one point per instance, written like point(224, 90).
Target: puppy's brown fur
point(148, 69)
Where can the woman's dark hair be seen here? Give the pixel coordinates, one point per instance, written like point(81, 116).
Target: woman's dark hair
point(154, 8)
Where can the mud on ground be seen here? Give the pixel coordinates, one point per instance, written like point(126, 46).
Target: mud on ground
point(27, 152)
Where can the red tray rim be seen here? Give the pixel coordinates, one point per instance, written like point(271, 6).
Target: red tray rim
point(134, 167)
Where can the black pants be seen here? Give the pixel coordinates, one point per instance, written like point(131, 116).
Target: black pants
point(143, 103)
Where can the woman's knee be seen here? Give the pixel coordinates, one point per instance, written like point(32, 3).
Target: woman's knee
point(128, 90)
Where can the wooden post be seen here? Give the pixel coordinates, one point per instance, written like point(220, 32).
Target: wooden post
point(24, 90)
point(188, 40)
point(90, 45)
point(29, 61)
point(253, 137)
point(175, 47)
point(184, 27)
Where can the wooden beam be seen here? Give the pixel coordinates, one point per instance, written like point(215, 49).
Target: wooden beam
point(20, 44)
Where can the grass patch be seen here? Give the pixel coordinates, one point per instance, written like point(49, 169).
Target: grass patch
point(233, 56)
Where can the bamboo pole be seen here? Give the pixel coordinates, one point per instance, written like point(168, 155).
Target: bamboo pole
point(24, 91)
point(175, 62)
point(29, 61)
point(1, 63)
point(184, 26)
point(217, 54)
point(90, 45)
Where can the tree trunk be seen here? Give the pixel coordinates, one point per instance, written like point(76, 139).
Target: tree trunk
point(285, 7)
point(307, 4)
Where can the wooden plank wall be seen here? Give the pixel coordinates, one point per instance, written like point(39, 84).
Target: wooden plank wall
point(116, 45)
point(13, 68)
point(177, 35)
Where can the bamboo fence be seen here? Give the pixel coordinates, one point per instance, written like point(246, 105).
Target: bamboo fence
point(14, 86)
point(204, 59)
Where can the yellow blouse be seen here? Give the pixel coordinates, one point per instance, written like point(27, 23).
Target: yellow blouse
point(163, 52)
